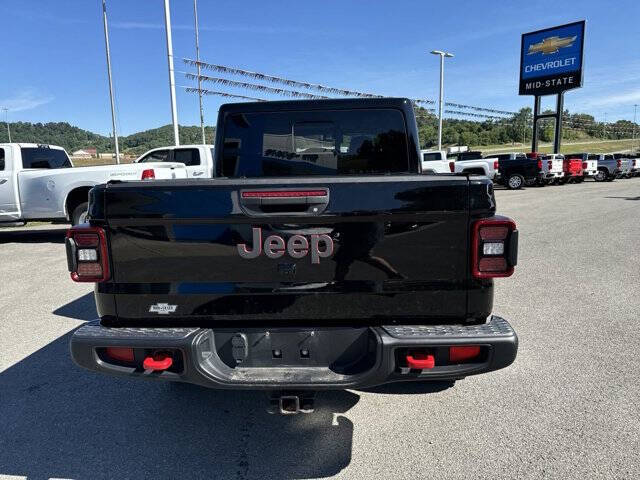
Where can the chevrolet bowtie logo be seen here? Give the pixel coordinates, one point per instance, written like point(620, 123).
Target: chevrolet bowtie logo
point(551, 45)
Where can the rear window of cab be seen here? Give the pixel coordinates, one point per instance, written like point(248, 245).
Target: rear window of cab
point(44, 157)
point(299, 143)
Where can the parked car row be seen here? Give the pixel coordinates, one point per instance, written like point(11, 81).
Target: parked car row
point(515, 170)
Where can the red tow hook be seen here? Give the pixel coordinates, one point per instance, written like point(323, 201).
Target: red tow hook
point(419, 360)
point(159, 362)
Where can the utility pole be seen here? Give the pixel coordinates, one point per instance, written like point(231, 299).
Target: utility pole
point(113, 110)
point(195, 15)
point(6, 119)
point(172, 80)
point(635, 107)
point(442, 55)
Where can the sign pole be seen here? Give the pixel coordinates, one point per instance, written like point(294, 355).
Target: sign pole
point(557, 140)
point(536, 113)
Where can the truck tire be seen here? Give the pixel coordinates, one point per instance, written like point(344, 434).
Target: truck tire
point(601, 176)
point(79, 214)
point(515, 181)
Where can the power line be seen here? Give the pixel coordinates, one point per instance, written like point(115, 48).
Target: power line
point(481, 109)
point(293, 83)
point(255, 86)
point(222, 94)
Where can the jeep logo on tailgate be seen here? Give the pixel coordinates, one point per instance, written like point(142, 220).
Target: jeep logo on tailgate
point(298, 246)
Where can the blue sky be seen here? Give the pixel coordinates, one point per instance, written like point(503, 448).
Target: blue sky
point(53, 61)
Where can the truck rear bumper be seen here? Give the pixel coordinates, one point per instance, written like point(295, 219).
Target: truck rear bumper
point(298, 358)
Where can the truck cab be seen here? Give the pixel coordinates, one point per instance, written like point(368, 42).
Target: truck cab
point(198, 159)
point(473, 163)
point(434, 161)
point(17, 162)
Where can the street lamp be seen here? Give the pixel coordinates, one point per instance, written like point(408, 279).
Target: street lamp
point(442, 55)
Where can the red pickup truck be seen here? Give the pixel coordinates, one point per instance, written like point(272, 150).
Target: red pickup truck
point(573, 170)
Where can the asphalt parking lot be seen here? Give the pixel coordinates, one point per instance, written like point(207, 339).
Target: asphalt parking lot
point(567, 408)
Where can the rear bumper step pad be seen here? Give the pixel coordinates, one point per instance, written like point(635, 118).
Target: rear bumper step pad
point(201, 355)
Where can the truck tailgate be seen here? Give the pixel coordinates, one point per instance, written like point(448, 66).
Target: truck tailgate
point(323, 248)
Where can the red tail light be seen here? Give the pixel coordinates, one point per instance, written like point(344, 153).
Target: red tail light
point(452, 166)
point(550, 164)
point(494, 247)
point(496, 164)
point(584, 165)
point(87, 255)
point(463, 353)
point(619, 163)
point(148, 174)
point(121, 354)
point(539, 164)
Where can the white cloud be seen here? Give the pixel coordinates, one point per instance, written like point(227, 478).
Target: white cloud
point(26, 99)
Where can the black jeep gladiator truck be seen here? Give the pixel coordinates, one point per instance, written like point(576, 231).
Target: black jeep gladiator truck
point(317, 257)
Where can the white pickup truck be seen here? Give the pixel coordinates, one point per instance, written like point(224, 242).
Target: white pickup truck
point(438, 161)
point(39, 182)
point(553, 168)
point(434, 161)
point(197, 159)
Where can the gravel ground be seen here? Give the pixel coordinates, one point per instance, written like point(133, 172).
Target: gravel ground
point(567, 408)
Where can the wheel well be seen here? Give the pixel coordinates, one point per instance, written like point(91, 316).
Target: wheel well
point(75, 198)
point(604, 169)
point(474, 171)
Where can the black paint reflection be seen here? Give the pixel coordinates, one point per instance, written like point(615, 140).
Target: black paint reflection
point(356, 243)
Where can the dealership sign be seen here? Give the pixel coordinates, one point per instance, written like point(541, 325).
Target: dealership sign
point(551, 59)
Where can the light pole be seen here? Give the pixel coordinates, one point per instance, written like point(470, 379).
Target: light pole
point(195, 16)
point(172, 81)
point(442, 55)
point(6, 119)
point(113, 109)
point(635, 106)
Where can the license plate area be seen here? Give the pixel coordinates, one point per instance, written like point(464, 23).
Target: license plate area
point(343, 350)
